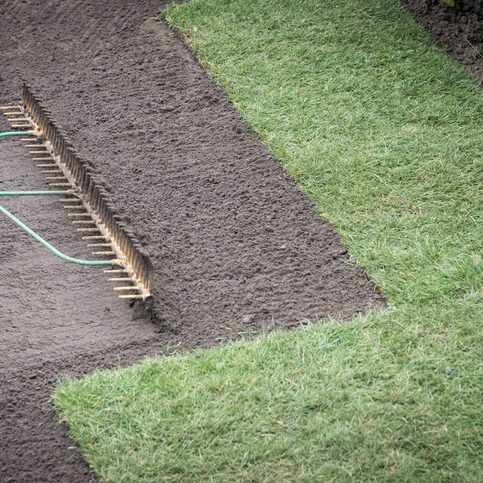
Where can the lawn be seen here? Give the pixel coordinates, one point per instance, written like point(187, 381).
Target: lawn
point(384, 133)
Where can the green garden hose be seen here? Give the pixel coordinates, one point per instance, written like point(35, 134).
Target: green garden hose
point(14, 133)
point(45, 243)
point(49, 247)
point(35, 193)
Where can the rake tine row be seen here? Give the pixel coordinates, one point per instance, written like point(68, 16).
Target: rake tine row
point(109, 229)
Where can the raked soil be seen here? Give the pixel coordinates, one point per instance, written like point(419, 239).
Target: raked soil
point(237, 248)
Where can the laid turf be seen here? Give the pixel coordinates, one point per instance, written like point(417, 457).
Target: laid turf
point(384, 133)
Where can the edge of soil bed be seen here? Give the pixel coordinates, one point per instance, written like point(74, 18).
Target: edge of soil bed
point(458, 30)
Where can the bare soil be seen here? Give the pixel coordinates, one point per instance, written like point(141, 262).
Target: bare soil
point(55, 319)
point(457, 30)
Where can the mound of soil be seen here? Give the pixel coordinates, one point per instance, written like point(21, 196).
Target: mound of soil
point(458, 30)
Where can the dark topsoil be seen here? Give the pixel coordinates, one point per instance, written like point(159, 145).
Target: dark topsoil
point(236, 247)
point(458, 30)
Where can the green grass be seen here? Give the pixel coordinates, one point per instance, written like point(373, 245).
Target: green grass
point(384, 133)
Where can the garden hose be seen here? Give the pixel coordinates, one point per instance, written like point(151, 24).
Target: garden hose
point(35, 193)
point(45, 243)
point(15, 133)
point(49, 247)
